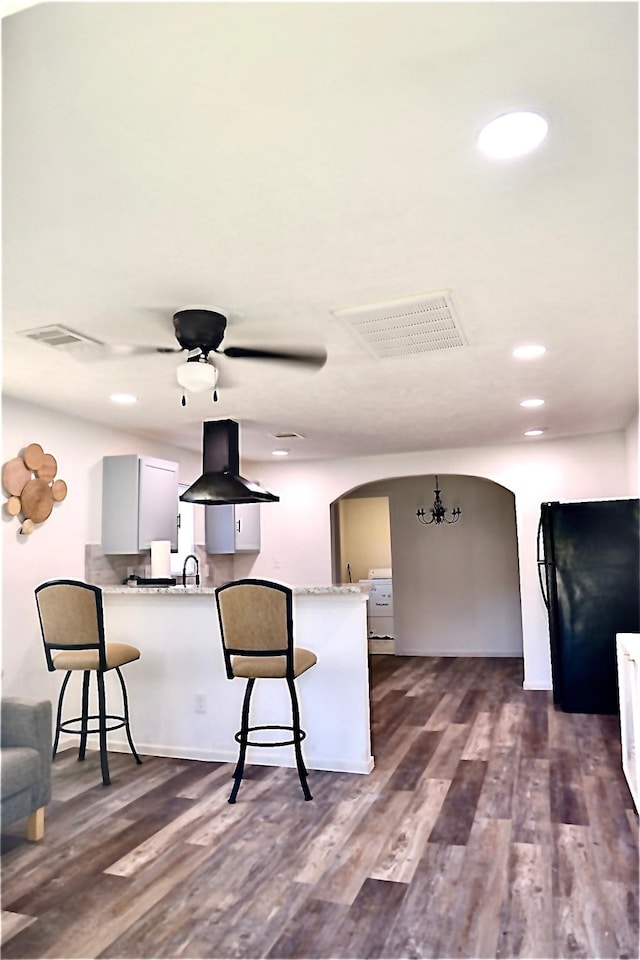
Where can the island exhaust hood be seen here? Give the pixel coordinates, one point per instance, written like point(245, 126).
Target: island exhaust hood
point(221, 481)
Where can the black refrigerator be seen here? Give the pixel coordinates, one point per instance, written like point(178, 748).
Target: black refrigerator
point(589, 570)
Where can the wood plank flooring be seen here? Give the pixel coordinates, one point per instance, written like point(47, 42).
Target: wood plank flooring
point(492, 826)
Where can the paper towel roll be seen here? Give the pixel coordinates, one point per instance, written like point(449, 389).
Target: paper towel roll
point(160, 559)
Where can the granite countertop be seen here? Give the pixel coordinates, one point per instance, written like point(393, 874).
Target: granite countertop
point(191, 591)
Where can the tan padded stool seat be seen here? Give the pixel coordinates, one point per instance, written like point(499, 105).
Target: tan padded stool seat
point(273, 666)
point(117, 654)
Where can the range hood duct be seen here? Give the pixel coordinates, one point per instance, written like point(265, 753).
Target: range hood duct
point(221, 481)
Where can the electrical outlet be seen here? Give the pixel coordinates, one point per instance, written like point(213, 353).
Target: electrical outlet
point(200, 703)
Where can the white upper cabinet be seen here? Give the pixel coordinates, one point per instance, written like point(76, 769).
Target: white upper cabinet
point(139, 503)
point(232, 528)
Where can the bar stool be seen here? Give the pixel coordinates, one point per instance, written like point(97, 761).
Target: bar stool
point(71, 621)
point(256, 627)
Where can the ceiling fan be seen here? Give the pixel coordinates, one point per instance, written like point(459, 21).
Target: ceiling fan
point(200, 330)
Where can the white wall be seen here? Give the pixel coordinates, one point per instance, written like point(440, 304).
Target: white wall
point(456, 588)
point(365, 536)
point(56, 548)
point(296, 532)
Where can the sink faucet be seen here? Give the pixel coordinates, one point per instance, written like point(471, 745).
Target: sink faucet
point(193, 557)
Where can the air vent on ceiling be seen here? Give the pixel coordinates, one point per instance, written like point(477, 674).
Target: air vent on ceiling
point(402, 328)
point(57, 336)
point(287, 435)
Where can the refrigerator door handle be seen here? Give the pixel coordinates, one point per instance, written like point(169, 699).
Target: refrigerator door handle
point(545, 598)
point(541, 563)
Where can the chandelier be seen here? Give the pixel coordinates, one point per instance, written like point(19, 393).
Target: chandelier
point(438, 511)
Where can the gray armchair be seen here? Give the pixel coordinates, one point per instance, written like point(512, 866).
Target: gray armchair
point(25, 762)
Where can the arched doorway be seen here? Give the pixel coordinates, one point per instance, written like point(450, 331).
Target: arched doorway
point(456, 588)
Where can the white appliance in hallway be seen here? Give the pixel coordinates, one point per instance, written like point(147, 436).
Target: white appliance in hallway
point(380, 605)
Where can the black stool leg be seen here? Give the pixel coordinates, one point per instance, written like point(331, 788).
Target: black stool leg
point(84, 720)
point(59, 713)
point(125, 702)
point(244, 736)
point(295, 712)
point(102, 726)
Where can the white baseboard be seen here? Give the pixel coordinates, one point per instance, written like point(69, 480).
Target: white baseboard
point(537, 685)
point(458, 653)
point(262, 757)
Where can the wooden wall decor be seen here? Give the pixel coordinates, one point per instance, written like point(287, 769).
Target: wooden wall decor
point(30, 482)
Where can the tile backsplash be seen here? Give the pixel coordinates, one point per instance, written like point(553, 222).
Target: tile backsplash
point(111, 569)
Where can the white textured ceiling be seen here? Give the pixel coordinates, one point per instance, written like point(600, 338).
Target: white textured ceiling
point(284, 161)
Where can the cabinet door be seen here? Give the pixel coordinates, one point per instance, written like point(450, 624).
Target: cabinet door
point(247, 528)
point(158, 502)
point(120, 504)
point(232, 528)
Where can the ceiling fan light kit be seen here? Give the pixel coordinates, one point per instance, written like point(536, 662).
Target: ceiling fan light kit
point(197, 374)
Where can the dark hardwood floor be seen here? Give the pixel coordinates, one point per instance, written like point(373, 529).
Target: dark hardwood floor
point(492, 826)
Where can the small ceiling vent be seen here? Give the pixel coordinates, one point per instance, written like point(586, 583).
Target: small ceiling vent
point(287, 435)
point(402, 328)
point(57, 336)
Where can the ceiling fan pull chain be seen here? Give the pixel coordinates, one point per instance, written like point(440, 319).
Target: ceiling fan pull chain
point(215, 396)
point(184, 400)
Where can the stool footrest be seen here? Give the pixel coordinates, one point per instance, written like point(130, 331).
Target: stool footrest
point(65, 724)
point(297, 737)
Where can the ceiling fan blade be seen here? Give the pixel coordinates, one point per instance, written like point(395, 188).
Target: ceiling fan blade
point(102, 352)
point(312, 358)
point(136, 350)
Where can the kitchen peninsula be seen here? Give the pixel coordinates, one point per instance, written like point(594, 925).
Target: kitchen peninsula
point(183, 705)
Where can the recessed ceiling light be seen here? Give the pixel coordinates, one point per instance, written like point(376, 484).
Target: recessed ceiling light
point(512, 134)
point(123, 398)
point(534, 402)
point(279, 453)
point(529, 352)
point(533, 433)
